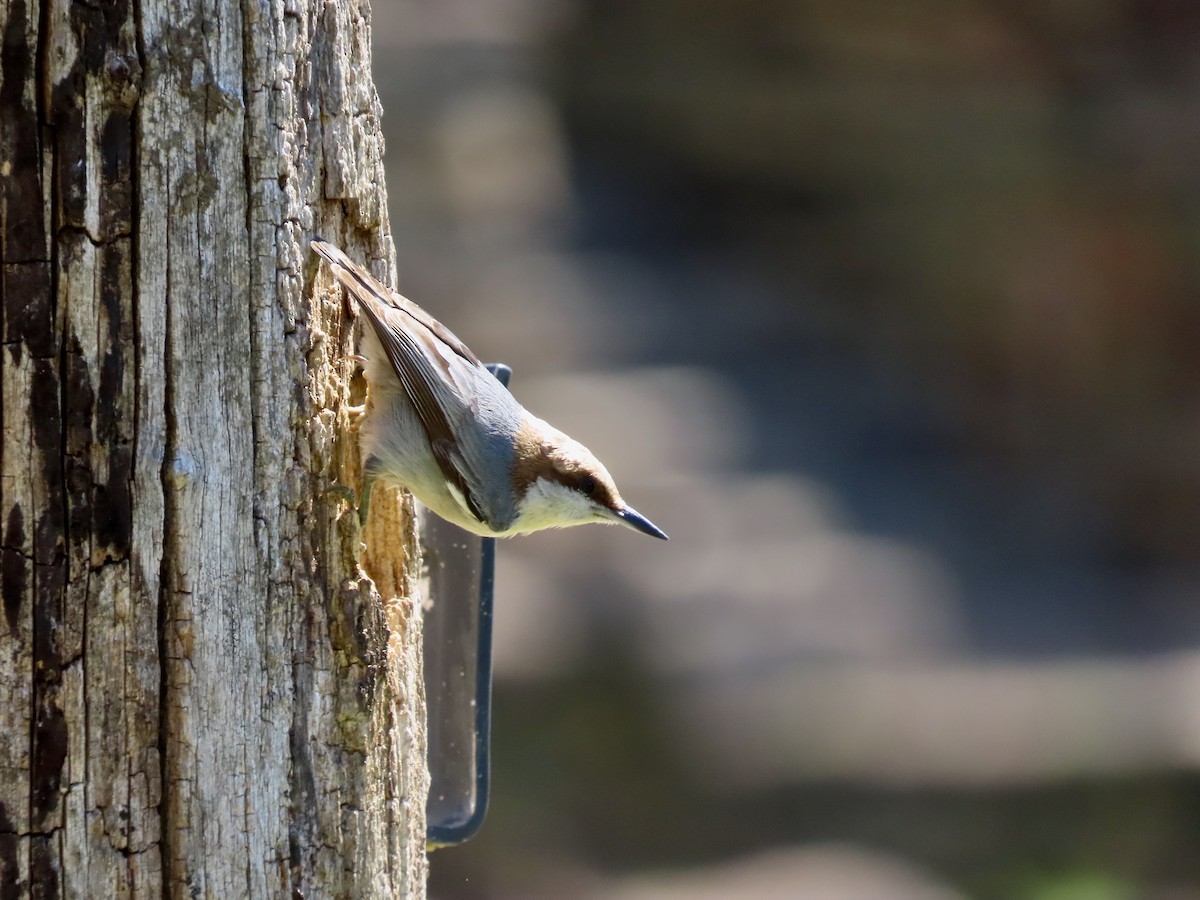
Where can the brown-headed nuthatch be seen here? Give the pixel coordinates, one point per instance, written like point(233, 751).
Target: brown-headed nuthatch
point(441, 425)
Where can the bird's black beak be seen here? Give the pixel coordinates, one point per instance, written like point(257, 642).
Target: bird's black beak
point(629, 516)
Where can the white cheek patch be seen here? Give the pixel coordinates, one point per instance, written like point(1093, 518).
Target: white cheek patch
point(548, 504)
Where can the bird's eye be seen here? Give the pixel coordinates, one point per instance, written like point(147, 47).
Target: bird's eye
point(587, 484)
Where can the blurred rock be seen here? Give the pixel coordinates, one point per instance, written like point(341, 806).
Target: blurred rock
point(943, 724)
point(721, 614)
point(829, 872)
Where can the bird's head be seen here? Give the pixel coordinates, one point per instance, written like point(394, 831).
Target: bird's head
point(559, 483)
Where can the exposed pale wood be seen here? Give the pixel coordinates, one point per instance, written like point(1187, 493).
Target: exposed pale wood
point(200, 692)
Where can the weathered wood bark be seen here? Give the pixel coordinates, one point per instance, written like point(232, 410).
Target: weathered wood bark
point(200, 692)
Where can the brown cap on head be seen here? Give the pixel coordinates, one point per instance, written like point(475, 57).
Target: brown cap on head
point(544, 452)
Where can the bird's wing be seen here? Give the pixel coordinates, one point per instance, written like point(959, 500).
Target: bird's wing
point(429, 361)
point(365, 286)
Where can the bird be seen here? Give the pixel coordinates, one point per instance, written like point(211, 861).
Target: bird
point(440, 424)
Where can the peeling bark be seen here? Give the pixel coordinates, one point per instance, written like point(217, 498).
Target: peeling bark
point(202, 693)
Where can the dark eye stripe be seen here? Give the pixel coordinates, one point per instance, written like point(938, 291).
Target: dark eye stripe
point(587, 484)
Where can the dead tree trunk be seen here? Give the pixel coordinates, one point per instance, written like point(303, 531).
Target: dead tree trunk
point(200, 693)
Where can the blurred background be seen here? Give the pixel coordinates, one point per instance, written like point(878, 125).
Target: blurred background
point(887, 312)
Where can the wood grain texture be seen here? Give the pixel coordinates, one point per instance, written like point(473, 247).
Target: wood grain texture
point(202, 693)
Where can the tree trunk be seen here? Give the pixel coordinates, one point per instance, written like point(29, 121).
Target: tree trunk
point(201, 692)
